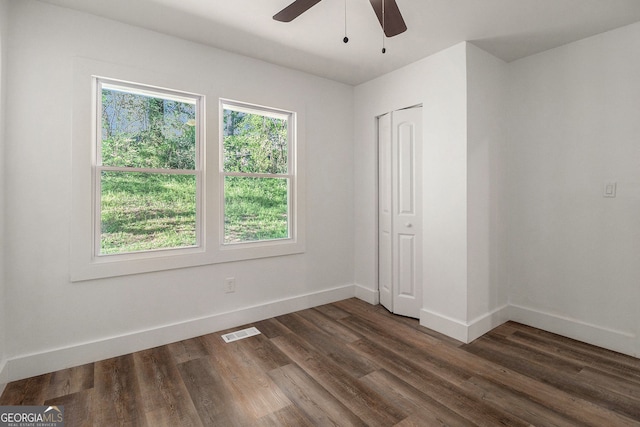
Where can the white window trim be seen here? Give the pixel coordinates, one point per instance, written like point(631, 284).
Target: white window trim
point(83, 264)
point(295, 243)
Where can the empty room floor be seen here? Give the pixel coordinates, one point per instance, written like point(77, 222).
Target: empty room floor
point(348, 364)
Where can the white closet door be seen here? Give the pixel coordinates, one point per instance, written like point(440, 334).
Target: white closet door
point(400, 211)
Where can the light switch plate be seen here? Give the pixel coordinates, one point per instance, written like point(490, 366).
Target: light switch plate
point(610, 189)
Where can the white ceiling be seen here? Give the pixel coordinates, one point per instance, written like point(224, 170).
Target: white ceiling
point(509, 29)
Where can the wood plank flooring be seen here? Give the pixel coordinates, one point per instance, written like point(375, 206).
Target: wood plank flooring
point(349, 364)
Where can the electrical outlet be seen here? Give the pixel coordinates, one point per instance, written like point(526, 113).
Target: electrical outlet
point(229, 285)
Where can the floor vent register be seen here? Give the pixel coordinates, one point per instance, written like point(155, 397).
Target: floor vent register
point(238, 335)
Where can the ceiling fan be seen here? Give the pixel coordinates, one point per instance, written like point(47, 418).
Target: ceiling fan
point(388, 14)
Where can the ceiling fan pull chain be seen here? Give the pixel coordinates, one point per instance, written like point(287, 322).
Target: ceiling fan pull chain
point(384, 50)
point(345, 39)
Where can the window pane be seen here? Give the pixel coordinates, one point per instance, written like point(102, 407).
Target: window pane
point(144, 211)
point(254, 143)
point(255, 209)
point(147, 132)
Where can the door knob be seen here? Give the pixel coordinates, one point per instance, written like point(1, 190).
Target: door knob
point(408, 225)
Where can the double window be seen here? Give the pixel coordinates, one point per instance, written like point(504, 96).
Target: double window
point(168, 194)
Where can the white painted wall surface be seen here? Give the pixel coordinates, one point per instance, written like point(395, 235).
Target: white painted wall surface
point(56, 323)
point(574, 256)
point(439, 84)
point(568, 260)
point(463, 93)
point(486, 188)
point(4, 13)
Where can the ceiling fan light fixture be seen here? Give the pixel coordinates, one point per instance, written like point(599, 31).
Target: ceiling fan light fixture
point(394, 23)
point(387, 12)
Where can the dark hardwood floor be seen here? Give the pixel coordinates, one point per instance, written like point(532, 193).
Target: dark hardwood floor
point(348, 364)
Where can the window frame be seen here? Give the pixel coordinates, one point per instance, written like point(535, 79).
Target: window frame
point(98, 167)
point(83, 265)
point(290, 175)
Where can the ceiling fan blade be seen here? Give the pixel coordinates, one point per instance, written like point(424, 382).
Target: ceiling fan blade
point(393, 21)
point(294, 10)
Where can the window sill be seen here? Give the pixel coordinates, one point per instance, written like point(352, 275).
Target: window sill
point(154, 261)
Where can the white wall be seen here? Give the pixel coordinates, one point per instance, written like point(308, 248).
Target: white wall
point(56, 323)
point(4, 12)
point(515, 163)
point(487, 92)
point(513, 218)
point(464, 277)
point(437, 82)
point(574, 256)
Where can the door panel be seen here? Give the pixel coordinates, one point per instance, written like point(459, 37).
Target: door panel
point(406, 266)
point(406, 156)
point(400, 213)
point(406, 134)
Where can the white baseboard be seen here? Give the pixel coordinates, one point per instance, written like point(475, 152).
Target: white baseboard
point(368, 295)
point(464, 331)
point(29, 365)
point(483, 324)
point(4, 375)
point(621, 341)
